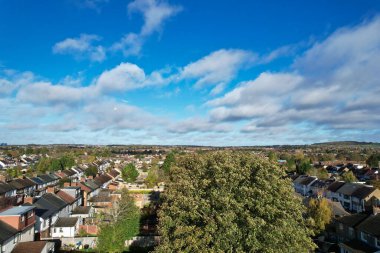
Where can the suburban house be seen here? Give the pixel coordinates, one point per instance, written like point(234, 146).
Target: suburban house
point(7, 195)
point(8, 237)
point(302, 184)
point(83, 212)
point(89, 189)
point(318, 187)
point(114, 174)
point(103, 180)
point(356, 197)
point(25, 187)
point(72, 201)
point(66, 227)
point(34, 247)
point(41, 186)
point(331, 192)
point(358, 233)
point(21, 218)
point(48, 208)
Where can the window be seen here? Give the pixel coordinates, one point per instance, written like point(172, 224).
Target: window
point(22, 218)
point(351, 232)
point(377, 242)
point(365, 237)
point(61, 230)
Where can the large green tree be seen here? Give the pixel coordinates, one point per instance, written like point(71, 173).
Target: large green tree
point(129, 173)
point(123, 225)
point(373, 160)
point(168, 162)
point(231, 202)
point(320, 212)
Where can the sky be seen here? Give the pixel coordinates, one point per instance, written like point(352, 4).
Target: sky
point(170, 72)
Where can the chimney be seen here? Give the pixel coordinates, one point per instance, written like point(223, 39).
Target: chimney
point(50, 189)
point(375, 210)
point(28, 200)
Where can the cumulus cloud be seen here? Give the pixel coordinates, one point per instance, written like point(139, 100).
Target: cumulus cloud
point(82, 48)
point(45, 93)
point(155, 13)
point(334, 85)
point(217, 68)
point(128, 76)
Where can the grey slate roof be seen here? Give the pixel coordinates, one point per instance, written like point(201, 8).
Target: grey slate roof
point(363, 192)
point(81, 210)
point(6, 231)
point(5, 187)
point(352, 220)
point(66, 222)
point(335, 186)
point(349, 188)
point(48, 205)
point(371, 225)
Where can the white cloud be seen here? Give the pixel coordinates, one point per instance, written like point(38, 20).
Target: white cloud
point(128, 76)
point(108, 114)
point(198, 125)
point(155, 13)
point(333, 85)
point(217, 69)
point(81, 48)
point(45, 93)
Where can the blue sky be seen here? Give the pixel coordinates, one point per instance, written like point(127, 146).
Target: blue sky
point(189, 72)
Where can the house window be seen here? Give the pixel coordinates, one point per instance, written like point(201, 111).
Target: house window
point(365, 237)
point(340, 226)
point(22, 218)
point(61, 230)
point(55, 230)
point(377, 242)
point(351, 232)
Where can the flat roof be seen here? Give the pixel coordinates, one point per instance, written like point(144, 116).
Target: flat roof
point(17, 210)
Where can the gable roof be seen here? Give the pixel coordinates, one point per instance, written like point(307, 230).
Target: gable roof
point(66, 222)
point(66, 197)
point(5, 187)
point(349, 188)
point(30, 247)
point(48, 204)
point(37, 180)
point(102, 179)
point(81, 210)
point(47, 178)
point(21, 183)
point(353, 219)
point(371, 225)
point(363, 192)
point(6, 231)
point(335, 186)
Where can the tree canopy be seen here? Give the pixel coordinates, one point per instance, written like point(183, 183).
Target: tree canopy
point(129, 173)
point(168, 162)
point(349, 177)
point(124, 224)
point(320, 213)
point(231, 202)
point(373, 160)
